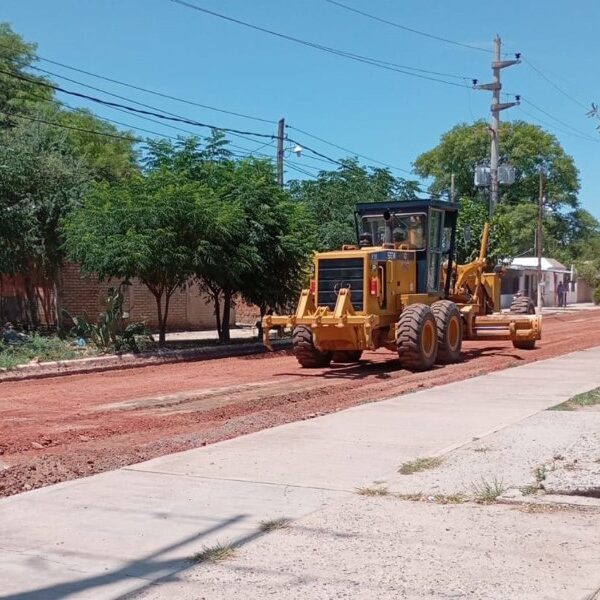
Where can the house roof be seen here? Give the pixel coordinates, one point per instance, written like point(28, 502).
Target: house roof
point(531, 262)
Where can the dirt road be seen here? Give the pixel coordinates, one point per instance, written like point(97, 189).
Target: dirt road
point(67, 427)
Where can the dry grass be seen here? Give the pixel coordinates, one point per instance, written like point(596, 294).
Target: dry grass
point(375, 490)
point(214, 553)
point(486, 491)
point(273, 525)
point(420, 464)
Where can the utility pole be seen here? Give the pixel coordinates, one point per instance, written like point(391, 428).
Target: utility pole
point(540, 242)
point(452, 188)
point(495, 87)
point(280, 140)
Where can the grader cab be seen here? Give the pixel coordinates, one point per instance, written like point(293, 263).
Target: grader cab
point(399, 288)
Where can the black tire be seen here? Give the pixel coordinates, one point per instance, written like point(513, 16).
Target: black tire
point(449, 331)
point(524, 344)
point(304, 349)
point(347, 356)
point(522, 305)
point(416, 338)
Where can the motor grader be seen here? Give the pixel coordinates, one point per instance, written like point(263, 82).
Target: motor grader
point(399, 288)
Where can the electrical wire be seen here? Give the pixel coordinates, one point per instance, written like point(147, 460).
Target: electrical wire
point(551, 126)
point(403, 69)
point(410, 29)
point(580, 133)
point(556, 86)
point(145, 90)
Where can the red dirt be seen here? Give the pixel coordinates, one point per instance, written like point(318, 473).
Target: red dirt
point(66, 427)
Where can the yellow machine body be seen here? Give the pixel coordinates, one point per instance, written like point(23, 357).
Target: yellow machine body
point(358, 293)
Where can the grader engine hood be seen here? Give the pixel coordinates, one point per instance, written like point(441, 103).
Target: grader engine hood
point(334, 274)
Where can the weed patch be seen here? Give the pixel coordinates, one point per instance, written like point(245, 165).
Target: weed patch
point(273, 525)
point(486, 491)
point(420, 464)
point(214, 553)
point(372, 491)
point(591, 398)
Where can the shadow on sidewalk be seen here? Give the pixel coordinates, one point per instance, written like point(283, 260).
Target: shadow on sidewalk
point(150, 568)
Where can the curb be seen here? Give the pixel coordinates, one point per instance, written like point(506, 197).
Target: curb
point(97, 364)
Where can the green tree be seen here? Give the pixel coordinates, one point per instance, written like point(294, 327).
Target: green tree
point(157, 228)
point(333, 195)
point(40, 181)
point(530, 150)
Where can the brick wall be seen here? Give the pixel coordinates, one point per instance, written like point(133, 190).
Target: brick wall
point(188, 308)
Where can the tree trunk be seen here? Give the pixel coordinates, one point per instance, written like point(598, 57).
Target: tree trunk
point(227, 295)
point(217, 305)
point(162, 335)
point(161, 324)
point(32, 317)
point(58, 306)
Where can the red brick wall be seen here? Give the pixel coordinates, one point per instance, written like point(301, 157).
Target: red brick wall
point(246, 314)
point(187, 309)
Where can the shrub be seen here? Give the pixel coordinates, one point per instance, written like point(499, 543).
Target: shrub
point(597, 295)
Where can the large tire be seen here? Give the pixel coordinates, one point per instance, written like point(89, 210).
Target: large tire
point(304, 349)
point(449, 331)
point(523, 305)
point(347, 356)
point(416, 338)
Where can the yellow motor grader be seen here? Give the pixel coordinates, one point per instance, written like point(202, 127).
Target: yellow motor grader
point(399, 288)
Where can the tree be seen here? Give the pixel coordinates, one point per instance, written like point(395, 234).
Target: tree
point(530, 150)
point(333, 195)
point(157, 228)
point(40, 181)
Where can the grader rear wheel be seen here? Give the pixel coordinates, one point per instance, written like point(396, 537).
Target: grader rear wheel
point(305, 351)
point(347, 356)
point(416, 338)
point(449, 331)
point(523, 305)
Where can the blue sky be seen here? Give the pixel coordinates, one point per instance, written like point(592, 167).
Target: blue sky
point(382, 114)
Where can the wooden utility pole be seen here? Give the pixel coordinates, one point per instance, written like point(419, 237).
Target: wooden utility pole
point(540, 242)
point(280, 150)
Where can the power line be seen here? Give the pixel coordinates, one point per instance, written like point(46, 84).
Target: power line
point(563, 123)
point(410, 29)
point(145, 90)
point(347, 149)
point(163, 116)
point(404, 69)
point(551, 126)
point(556, 86)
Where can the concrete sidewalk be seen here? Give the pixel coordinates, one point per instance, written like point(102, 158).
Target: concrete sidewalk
point(119, 532)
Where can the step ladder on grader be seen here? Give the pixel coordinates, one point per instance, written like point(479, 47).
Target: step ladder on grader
point(399, 288)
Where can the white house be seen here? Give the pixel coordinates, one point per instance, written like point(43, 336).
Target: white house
point(521, 276)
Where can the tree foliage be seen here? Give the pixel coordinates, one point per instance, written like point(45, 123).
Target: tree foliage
point(567, 227)
point(331, 198)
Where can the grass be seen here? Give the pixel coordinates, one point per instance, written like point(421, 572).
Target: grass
point(487, 492)
point(372, 491)
point(420, 464)
point(39, 348)
point(273, 525)
point(590, 398)
point(214, 553)
point(529, 490)
point(483, 449)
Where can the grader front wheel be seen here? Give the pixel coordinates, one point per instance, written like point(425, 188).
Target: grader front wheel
point(305, 351)
point(416, 338)
point(449, 331)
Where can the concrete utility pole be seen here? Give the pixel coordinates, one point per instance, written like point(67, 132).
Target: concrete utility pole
point(540, 243)
point(452, 188)
point(495, 87)
point(280, 150)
